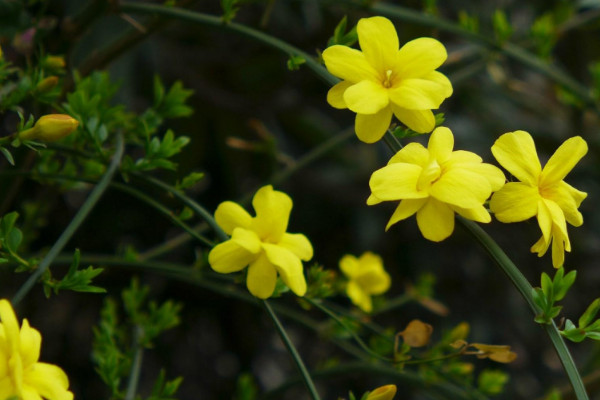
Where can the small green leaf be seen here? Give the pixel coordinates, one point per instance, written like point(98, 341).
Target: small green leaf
point(589, 314)
point(565, 283)
point(492, 382)
point(8, 156)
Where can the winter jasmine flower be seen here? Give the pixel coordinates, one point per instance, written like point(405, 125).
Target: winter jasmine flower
point(435, 182)
point(382, 79)
point(262, 244)
point(50, 128)
point(366, 278)
point(541, 192)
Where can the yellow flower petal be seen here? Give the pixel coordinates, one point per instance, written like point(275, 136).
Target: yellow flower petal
point(563, 160)
point(479, 213)
point(371, 127)
point(298, 244)
point(289, 267)
point(49, 381)
point(421, 121)
point(515, 151)
point(262, 278)
point(442, 80)
point(577, 195)
point(559, 242)
point(405, 209)
point(493, 174)
point(349, 265)
point(540, 247)
point(461, 187)
point(230, 215)
point(378, 41)
point(420, 56)
point(515, 202)
point(29, 393)
point(366, 97)
point(412, 153)
point(335, 95)
point(358, 297)
point(228, 257)
point(272, 213)
point(348, 64)
point(10, 324)
point(544, 218)
point(441, 143)
point(31, 342)
point(372, 200)
point(374, 282)
point(7, 390)
point(246, 239)
point(396, 181)
point(460, 157)
point(417, 94)
point(435, 220)
point(561, 195)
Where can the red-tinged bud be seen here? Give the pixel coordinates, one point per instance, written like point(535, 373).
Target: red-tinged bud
point(46, 84)
point(50, 128)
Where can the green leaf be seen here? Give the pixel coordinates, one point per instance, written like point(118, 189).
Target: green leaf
point(502, 28)
point(190, 180)
point(491, 382)
point(7, 155)
point(230, 8)
point(573, 333)
point(294, 62)
point(562, 286)
point(589, 314)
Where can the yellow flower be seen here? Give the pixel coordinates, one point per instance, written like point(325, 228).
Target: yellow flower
point(434, 183)
point(386, 392)
point(540, 192)
point(262, 243)
point(383, 80)
point(366, 278)
point(50, 128)
point(21, 375)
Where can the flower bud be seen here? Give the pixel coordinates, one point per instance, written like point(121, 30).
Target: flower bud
point(386, 392)
point(54, 62)
point(47, 84)
point(50, 128)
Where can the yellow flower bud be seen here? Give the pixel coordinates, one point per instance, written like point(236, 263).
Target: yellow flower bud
point(47, 84)
point(54, 62)
point(50, 128)
point(386, 392)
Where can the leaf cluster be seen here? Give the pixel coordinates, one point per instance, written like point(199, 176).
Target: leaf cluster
point(116, 340)
point(552, 290)
point(77, 280)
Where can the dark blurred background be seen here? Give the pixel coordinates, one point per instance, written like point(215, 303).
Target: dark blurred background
point(243, 90)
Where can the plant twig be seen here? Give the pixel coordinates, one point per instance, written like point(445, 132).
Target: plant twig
point(76, 222)
point(293, 352)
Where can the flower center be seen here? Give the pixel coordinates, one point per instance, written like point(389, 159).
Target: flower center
point(430, 174)
point(387, 83)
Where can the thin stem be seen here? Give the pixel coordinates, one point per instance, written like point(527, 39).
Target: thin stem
point(197, 208)
point(136, 365)
point(526, 290)
point(293, 352)
point(75, 223)
point(358, 340)
point(204, 19)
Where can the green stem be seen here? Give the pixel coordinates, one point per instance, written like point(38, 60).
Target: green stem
point(293, 352)
point(75, 223)
point(526, 290)
point(204, 19)
point(197, 208)
point(136, 365)
point(349, 330)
